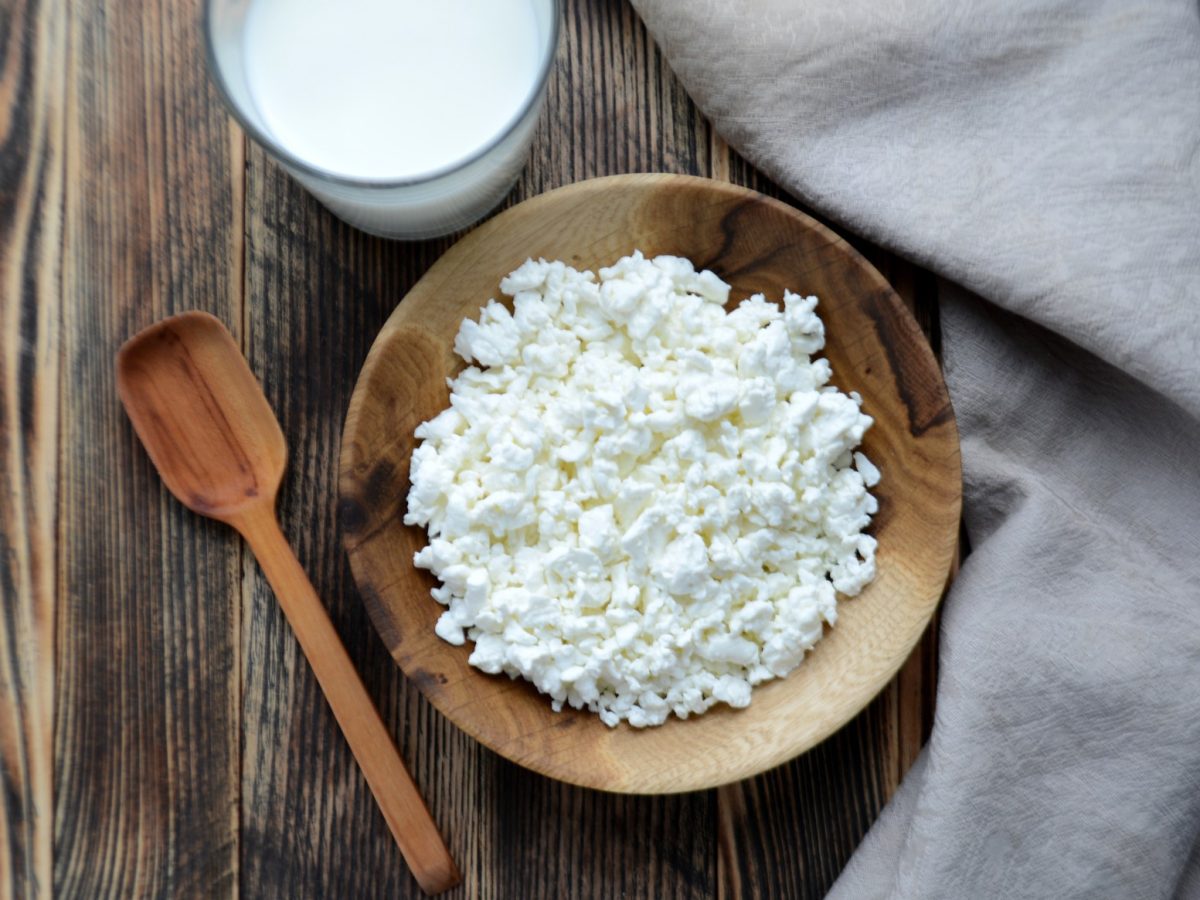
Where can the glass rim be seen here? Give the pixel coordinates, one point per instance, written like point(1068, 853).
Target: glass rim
point(293, 161)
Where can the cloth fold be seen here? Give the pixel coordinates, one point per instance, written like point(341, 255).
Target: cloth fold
point(1044, 158)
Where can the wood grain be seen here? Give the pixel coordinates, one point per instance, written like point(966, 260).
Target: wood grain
point(147, 718)
point(32, 52)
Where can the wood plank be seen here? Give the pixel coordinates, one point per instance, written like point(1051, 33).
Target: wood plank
point(147, 720)
point(32, 55)
point(319, 291)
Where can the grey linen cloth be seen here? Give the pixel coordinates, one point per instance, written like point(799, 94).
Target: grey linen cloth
point(1044, 157)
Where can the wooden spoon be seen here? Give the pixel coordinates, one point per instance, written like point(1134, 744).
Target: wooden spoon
point(210, 432)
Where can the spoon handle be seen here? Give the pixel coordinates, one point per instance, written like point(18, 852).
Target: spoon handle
point(406, 814)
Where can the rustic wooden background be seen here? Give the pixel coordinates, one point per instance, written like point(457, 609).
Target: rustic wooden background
point(160, 733)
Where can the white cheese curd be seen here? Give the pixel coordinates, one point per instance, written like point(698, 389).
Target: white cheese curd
point(642, 504)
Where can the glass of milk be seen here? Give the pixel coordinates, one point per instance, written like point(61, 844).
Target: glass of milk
point(407, 118)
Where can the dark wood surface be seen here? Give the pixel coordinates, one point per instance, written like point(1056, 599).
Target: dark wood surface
point(160, 734)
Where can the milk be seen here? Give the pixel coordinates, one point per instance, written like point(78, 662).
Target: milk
point(407, 119)
point(389, 89)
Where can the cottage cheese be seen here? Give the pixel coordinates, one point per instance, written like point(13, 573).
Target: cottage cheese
point(642, 504)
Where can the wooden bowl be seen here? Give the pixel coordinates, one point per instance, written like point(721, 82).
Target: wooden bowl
point(756, 244)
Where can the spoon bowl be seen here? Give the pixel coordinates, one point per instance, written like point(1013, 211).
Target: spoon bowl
point(202, 416)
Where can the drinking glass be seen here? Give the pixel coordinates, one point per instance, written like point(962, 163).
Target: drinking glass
point(410, 208)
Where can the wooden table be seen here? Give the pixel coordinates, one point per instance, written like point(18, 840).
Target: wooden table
point(160, 733)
